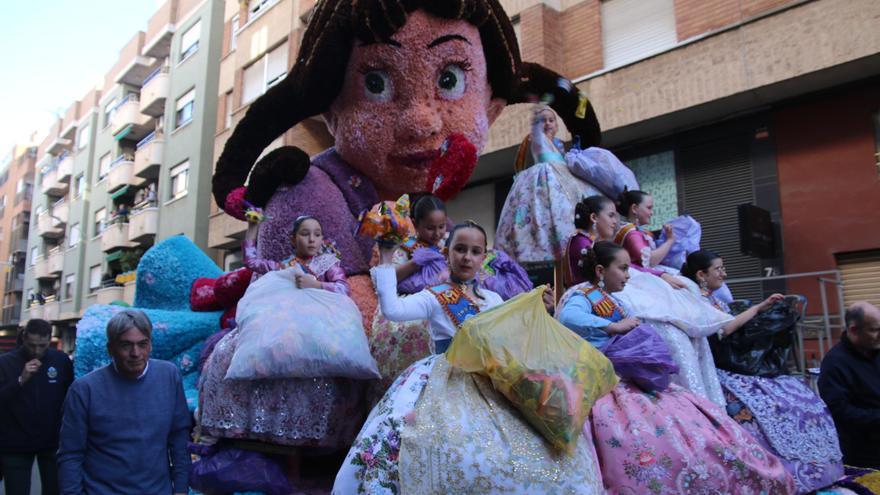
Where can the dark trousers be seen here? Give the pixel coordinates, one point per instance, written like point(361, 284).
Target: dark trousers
point(17, 472)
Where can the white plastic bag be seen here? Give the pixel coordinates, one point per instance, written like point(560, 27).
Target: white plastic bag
point(288, 332)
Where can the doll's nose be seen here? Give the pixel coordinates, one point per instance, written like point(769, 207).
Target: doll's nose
point(418, 121)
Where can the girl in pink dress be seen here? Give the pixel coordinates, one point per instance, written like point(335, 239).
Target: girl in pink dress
point(636, 209)
point(652, 437)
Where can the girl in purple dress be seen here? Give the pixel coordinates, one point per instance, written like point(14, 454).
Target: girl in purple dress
point(782, 413)
point(595, 218)
point(652, 437)
point(289, 411)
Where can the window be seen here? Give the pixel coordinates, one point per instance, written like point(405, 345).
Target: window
point(19, 186)
point(34, 252)
point(103, 166)
point(179, 179)
point(189, 42)
point(94, 278)
point(69, 281)
point(73, 238)
point(82, 139)
point(80, 184)
point(264, 73)
point(227, 122)
point(100, 219)
point(257, 7)
point(184, 109)
point(233, 35)
point(635, 29)
point(109, 111)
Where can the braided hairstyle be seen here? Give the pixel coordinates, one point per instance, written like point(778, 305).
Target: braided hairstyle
point(424, 206)
point(601, 254)
point(317, 78)
point(627, 199)
point(586, 207)
point(698, 261)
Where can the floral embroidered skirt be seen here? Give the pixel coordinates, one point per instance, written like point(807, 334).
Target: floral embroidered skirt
point(538, 214)
point(439, 430)
point(305, 412)
point(788, 419)
point(676, 442)
point(395, 345)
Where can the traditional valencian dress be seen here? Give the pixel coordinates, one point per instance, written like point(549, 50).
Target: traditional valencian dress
point(788, 419)
point(322, 412)
point(441, 430)
point(662, 439)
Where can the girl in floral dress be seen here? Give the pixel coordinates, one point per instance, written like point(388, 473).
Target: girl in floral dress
point(782, 413)
point(441, 430)
point(282, 411)
point(659, 439)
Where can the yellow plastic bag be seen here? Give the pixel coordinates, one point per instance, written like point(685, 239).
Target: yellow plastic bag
point(549, 373)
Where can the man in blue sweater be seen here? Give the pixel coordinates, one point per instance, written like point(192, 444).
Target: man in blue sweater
point(33, 382)
point(126, 425)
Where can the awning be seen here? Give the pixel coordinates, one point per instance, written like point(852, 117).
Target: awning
point(123, 133)
point(119, 192)
point(115, 255)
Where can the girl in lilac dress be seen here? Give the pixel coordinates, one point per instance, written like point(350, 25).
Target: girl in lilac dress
point(291, 411)
point(782, 413)
point(652, 437)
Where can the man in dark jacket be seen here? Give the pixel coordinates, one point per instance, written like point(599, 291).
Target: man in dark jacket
point(849, 383)
point(33, 383)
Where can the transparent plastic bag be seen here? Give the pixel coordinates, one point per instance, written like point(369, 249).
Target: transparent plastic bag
point(288, 332)
point(549, 373)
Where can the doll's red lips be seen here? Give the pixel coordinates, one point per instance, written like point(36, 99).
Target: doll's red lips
point(420, 159)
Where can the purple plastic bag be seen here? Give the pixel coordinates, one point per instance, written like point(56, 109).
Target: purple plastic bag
point(687, 240)
point(602, 169)
point(227, 470)
point(641, 357)
point(504, 276)
point(432, 271)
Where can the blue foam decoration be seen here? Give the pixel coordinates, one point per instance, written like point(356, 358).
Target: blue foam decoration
point(167, 271)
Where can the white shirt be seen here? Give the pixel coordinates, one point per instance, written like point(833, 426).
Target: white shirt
point(421, 305)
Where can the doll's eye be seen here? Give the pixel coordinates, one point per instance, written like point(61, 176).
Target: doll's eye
point(377, 85)
point(451, 82)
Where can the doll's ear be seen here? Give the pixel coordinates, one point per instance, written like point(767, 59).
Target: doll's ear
point(496, 106)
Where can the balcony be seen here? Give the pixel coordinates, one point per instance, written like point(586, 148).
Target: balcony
point(51, 310)
point(11, 314)
point(127, 121)
point(59, 145)
point(35, 311)
point(18, 245)
point(143, 224)
point(155, 91)
point(128, 292)
point(15, 284)
point(160, 30)
point(115, 236)
point(60, 211)
point(132, 66)
point(148, 157)
point(121, 174)
point(49, 227)
point(41, 267)
point(107, 295)
point(56, 261)
point(49, 184)
point(68, 123)
point(65, 169)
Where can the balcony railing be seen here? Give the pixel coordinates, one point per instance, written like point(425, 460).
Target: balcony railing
point(107, 295)
point(41, 268)
point(51, 310)
point(148, 157)
point(49, 183)
point(115, 236)
point(65, 168)
point(127, 121)
point(143, 224)
point(12, 314)
point(56, 260)
point(154, 92)
point(121, 173)
point(60, 210)
point(49, 227)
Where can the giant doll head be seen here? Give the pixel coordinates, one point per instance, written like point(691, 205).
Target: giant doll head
point(392, 79)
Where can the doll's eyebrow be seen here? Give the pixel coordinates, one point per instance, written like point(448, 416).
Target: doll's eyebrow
point(447, 37)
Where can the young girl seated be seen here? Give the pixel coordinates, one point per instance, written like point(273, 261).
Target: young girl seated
point(286, 411)
point(782, 413)
point(636, 209)
point(595, 218)
point(482, 438)
point(652, 437)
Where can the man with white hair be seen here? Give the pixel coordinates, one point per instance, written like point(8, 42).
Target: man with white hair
point(849, 383)
point(126, 425)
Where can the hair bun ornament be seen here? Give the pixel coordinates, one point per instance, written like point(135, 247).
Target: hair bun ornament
point(452, 168)
point(388, 222)
point(235, 203)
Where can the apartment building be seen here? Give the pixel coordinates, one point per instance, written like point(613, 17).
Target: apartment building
point(129, 164)
point(16, 189)
point(712, 104)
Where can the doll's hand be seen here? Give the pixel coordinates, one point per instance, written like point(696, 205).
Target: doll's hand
point(307, 282)
point(623, 326)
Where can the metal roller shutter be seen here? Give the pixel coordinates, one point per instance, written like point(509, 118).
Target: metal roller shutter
point(861, 276)
point(635, 29)
point(717, 177)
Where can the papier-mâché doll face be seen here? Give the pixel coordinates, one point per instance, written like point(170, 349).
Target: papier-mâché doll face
point(402, 98)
